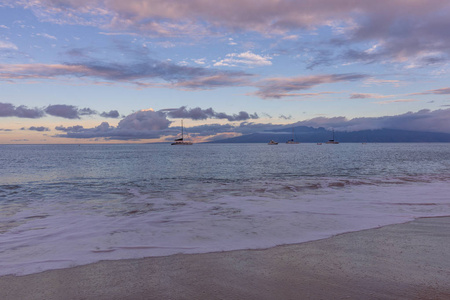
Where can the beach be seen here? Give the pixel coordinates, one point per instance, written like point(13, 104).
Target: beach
point(402, 261)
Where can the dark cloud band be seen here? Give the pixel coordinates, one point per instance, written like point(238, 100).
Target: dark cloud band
point(57, 110)
point(153, 125)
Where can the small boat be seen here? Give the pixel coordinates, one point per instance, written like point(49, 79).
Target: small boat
point(291, 141)
point(272, 142)
point(181, 141)
point(332, 141)
point(319, 143)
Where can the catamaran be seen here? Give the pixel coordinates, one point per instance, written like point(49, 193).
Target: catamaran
point(332, 141)
point(181, 141)
point(291, 141)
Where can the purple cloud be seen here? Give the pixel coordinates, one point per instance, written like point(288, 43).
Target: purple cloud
point(442, 91)
point(423, 120)
point(144, 124)
point(152, 125)
point(287, 86)
point(141, 74)
point(63, 111)
point(203, 114)
point(401, 30)
point(86, 112)
point(149, 124)
point(40, 128)
point(76, 128)
point(9, 110)
point(57, 110)
point(111, 114)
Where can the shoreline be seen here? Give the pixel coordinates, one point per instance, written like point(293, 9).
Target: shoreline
point(401, 261)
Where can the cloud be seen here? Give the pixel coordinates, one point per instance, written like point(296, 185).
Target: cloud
point(103, 130)
point(375, 81)
point(423, 120)
point(244, 59)
point(231, 42)
point(292, 37)
point(40, 71)
point(149, 124)
point(442, 91)
point(194, 113)
point(395, 30)
point(410, 32)
point(367, 96)
point(63, 111)
point(286, 86)
point(144, 120)
point(214, 81)
point(267, 17)
point(111, 114)
point(40, 128)
point(47, 36)
point(216, 131)
point(79, 53)
point(73, 112)
point(9, 110)
point(7, 45)
point(57, 110)
point(144, 124)
point(86, 112)
point(143, 74)
point(397, 101)
point(400, 36)
point(76, 128)
point(203, 114)
point(200, 61)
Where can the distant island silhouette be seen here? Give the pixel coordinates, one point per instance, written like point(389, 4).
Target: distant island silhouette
point(304, 134)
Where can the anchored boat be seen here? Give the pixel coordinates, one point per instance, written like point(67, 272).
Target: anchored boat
point(181, 140)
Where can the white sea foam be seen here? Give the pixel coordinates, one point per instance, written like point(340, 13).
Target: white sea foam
point(211, 217)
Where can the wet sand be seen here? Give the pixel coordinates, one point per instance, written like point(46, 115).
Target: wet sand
point(404, 261)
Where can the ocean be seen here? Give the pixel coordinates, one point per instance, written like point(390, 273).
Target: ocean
point(68, 205)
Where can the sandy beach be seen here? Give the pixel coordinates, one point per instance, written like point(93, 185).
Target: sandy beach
point(403, 261)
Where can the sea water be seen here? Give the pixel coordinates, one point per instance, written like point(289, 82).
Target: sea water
point(68, 205)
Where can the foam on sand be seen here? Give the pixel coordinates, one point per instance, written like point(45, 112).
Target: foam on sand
point(404, 261)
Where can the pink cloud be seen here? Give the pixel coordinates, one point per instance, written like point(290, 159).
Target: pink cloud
point(391, 30)
point(148, 74)
point(264, 16)
point(441, 91)
point(287, 86)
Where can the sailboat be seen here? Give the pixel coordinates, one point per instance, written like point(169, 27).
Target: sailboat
point(332, 141)
point(291, 141)
point(181, 141)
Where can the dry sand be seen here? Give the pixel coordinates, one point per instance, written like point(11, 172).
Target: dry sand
point(405, 261)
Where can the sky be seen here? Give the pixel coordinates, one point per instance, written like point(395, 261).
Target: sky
point(114, 71)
